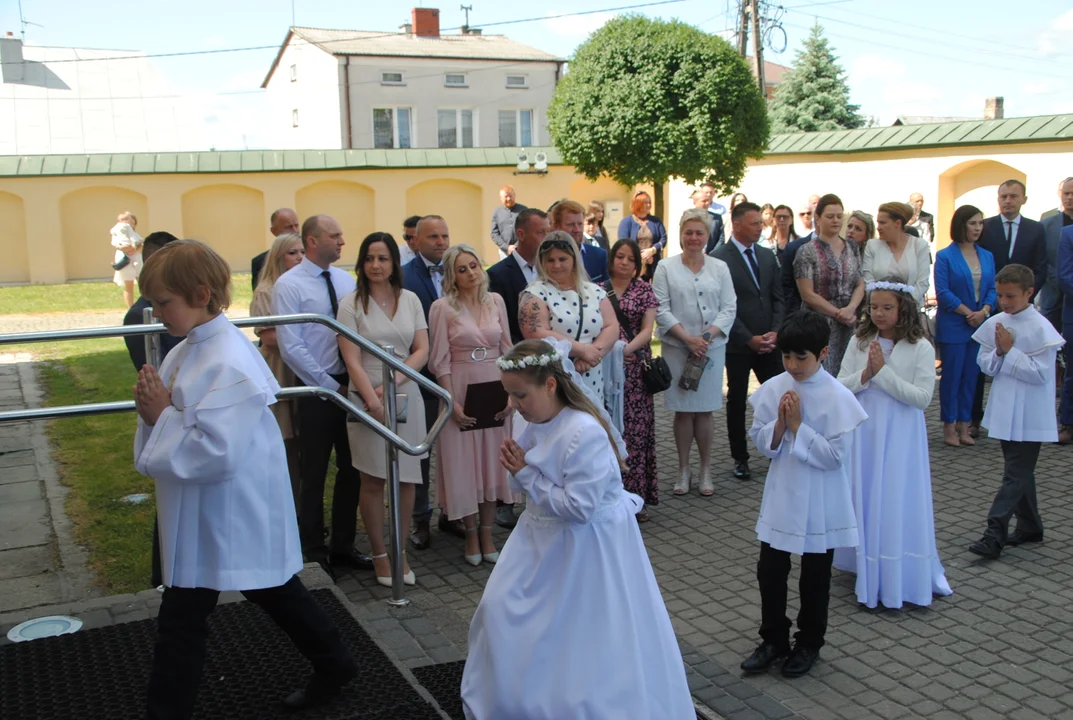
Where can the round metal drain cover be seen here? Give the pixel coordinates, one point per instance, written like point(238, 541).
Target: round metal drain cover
point(44, 627)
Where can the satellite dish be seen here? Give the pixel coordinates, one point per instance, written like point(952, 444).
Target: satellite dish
point(541, 161)
point(523, 161)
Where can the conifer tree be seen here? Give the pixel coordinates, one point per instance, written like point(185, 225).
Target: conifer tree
point(814, 95)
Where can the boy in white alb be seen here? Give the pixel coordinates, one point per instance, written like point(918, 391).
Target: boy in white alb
point(207, 436)
point(803, 420)
point(1018, 348)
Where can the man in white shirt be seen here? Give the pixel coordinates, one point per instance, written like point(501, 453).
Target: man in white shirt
point(409, 235)
point(312, 352)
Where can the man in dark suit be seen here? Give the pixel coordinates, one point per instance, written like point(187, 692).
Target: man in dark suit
point(510, 276)
point(1011, 239)
point(569, 216)
point(424, 277)
point(1065, 284)
point(702, 198)
point(280, 222)
point(751, 341)
point(923, 219)
point(1049, 298)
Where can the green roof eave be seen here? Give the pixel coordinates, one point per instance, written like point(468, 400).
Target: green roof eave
point(243, 161)
point(1043, 128)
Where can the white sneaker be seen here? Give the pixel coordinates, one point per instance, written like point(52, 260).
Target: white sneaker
point(682, 486)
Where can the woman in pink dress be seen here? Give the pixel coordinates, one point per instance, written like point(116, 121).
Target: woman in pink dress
point(469, 330)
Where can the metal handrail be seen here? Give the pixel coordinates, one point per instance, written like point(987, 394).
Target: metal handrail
point(152, 330)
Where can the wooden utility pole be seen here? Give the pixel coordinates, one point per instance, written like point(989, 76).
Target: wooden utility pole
point(743, 27)
point(758, 46)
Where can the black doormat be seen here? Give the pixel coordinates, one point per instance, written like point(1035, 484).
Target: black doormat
point(251, 665)
point(444, 682)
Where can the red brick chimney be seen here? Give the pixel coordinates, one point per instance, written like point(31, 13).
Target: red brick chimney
point(426, 22)
point(993, 108)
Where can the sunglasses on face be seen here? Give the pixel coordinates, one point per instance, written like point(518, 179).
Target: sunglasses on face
point(407, 238)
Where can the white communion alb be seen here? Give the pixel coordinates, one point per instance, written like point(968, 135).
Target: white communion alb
point(1024, 379)
point(807, 505)
point(897, 560)
point(224, 501)
point(572, 623)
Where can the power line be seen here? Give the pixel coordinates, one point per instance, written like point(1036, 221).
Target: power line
point(363, 36)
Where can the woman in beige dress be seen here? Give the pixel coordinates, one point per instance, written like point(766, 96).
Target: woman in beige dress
point(286, 252)
point(469, 331)
point(382, 312)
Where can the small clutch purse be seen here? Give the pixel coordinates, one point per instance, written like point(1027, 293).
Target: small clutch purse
point(121, 263)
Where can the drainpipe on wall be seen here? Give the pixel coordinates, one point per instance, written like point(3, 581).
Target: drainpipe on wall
point(346, 103)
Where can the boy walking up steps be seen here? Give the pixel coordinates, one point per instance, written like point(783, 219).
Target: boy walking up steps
point(1018, 348)
point(803, 420)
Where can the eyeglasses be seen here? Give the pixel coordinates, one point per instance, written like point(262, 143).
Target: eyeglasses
point(407, 238)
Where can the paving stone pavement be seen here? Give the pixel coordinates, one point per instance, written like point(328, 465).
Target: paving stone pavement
point(997, 648)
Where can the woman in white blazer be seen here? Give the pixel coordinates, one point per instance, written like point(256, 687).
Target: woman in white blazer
point(896, 253)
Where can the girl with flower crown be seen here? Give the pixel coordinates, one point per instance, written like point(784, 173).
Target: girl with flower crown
point(572, 623)
point(890, 367)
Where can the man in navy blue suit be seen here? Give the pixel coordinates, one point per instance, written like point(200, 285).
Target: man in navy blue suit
point(569, 216)
point(424, 277)
point(1065, 284)
point(1011, 238)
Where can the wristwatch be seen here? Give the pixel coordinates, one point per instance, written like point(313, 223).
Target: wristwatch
point(707, 337)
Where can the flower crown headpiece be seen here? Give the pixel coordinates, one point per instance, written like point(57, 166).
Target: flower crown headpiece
point(542, 360)
point(893, 286)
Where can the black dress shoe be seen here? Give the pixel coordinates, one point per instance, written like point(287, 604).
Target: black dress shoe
point(800, 661)
point(316, 692)
point(741, 470)
point(421, 538)
point(764, 657)
point(1019, 538)
point(452, 527)
point(987, 548)
point(353, 559)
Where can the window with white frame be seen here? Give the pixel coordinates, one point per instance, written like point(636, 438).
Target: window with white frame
point(455, 128)
point(392, 78)
point(455, 80)
point(294, 73)
point(294, 117)
point(391, 128)
point(515, 128)
point(517, 81)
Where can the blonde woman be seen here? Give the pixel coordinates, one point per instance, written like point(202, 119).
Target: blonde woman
point(562, 303)
point(286, 252)
point(127, 244)
point(469, 330)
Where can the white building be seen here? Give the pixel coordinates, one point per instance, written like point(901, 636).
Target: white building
point(76, 100)
point(338, 89)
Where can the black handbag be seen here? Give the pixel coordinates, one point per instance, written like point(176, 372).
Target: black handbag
point(656, 374)
point(121, 263)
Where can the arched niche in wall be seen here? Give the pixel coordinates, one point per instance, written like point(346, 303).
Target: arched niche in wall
point(973, 182)
point(86, 216)
point(459, 202)
point(230, 218)
point(16, 265)
point(353, 207)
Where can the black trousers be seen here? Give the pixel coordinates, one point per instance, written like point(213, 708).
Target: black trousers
point(738, 366)
point(324, 429)
point(422, 508)
point(183, 630)
point(978, 399)
point(1017, 494)
point(772, 571)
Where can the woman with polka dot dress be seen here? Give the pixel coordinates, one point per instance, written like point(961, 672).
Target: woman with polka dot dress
point(562, 303)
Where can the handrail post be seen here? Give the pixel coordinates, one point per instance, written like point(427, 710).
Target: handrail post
point(152, 342)
point(394, 491)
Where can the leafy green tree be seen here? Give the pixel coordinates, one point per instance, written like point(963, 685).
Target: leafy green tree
point(814, 95)
point(646, 100)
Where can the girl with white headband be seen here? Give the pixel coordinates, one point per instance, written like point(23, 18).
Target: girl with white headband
point(890, 367)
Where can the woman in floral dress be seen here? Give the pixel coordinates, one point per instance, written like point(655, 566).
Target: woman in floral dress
point(636, 305)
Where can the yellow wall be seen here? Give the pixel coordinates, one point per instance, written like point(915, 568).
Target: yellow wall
point(73, 214)
point(16, 264)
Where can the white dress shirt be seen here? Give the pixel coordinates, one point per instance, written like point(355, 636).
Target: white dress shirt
point(1013, 231)
point(310, 349)
point(529, 271)
point(437, 278)
point(405, 254)
point(741, 248)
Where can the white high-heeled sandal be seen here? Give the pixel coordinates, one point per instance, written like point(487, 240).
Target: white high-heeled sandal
point(707, 489)
point(489, 557)
point(473, 560)
point(682, 486)
point(407, 579)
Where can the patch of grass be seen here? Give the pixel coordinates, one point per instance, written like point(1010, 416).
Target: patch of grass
point(94, 457)
point(100, 296)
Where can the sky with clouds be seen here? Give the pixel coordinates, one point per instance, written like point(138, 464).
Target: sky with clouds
point(916, 57)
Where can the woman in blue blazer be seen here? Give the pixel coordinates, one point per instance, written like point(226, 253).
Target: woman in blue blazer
point(646, 230)
point(965, 289)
